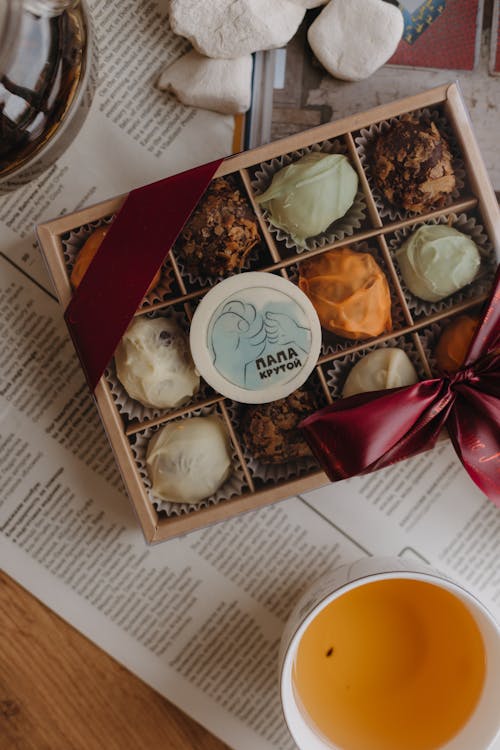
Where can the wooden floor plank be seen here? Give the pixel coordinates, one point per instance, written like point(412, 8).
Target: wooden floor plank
point(58, 691)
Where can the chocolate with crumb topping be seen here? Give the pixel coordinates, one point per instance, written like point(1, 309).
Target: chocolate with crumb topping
point(270, 431)
point(220, 232)
point(412, 165)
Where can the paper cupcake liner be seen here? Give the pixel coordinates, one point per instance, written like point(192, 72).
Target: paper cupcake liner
point(276, 473)
point(74, 240)
point(479, 286)
point(364, 143)
point(343, 227)
point(338, 370)
point(254, 261)
point(132, 410)
point(235, 484)
point(332, 344)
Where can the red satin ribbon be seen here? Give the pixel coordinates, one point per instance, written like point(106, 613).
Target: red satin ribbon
point(368, 431)
point(133, 250)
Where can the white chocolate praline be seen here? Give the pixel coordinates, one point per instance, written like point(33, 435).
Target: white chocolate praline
point(383, 368)
point(437, 260)
point(154, 364)
point(189, 460)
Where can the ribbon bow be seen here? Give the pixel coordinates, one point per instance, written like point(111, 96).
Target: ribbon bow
point(368, 431)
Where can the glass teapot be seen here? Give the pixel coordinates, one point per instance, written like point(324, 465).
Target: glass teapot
point(46, 83)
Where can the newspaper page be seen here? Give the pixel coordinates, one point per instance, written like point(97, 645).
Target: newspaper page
point(198, 618)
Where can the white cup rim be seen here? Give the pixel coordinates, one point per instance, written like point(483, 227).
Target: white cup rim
point(430, 575)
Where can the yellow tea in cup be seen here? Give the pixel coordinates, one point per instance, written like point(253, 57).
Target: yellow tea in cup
point(390, 654)
point(396, 664)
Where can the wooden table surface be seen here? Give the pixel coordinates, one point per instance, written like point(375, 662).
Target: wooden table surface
point(58, 691)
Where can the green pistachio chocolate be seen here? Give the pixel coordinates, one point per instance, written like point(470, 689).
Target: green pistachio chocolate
point(437, 260)
point(308, 195)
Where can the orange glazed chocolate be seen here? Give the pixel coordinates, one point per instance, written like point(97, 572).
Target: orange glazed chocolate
point(86, 255)
point(349, 291)
point(454, 343)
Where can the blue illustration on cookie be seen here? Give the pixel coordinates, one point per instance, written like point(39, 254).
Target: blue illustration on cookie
point(249, 346)
point(238, 337)
point(282, 330)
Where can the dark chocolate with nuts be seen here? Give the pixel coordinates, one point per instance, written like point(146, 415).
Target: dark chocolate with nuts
point(412, 165)
point(270, 431)
point(220, 233)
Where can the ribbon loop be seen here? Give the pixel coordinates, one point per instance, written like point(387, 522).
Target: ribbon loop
point(372, 430)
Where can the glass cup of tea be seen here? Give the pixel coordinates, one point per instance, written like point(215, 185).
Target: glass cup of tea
point(47, 77)
point(386, 654)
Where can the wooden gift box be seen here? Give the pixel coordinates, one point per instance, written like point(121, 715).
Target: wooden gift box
point(477, 197)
